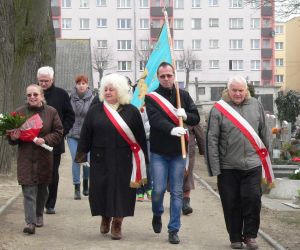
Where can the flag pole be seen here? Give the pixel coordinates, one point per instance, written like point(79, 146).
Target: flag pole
point(182, 140)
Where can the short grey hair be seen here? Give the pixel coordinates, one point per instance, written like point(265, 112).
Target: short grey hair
point(120, 83)
point(237, 79)
point(46, 70)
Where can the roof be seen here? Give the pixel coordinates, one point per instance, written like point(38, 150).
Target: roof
point(73, 57)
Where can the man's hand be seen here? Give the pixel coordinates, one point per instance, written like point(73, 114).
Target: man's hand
point(178, 131)
point(181, 113)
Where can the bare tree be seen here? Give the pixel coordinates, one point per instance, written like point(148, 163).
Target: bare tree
point(143, 53)
point(102, 59)
point(190, 61)
point(27, 42)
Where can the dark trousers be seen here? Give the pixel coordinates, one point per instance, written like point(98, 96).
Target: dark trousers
point(240, 193)
point(54, 185)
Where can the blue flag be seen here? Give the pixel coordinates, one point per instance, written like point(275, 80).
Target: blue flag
point(148, 81)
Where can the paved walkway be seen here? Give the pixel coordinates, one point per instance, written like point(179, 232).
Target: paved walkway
point(74, 228)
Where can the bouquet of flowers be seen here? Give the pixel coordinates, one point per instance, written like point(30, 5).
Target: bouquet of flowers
point(29, 128)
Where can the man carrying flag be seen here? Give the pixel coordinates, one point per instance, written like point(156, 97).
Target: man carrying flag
point(236, 152)
point(166, 161)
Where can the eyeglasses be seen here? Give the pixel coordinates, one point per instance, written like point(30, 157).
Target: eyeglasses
point(166, 76)
point(45, 81)
point(32, 94)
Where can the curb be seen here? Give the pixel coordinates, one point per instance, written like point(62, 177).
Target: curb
point(8, 203)
point(273, 243)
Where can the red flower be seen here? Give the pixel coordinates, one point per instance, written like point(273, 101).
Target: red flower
point(13, 113)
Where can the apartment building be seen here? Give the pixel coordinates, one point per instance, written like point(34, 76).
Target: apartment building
point(225, 37)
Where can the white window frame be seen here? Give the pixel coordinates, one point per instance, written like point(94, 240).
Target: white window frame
point(237, 65)
point(266, 43)
point(255, 64)
point(196, 23)
point(124, 23)
point(255, 43)
point(178, 45)
point(124, 4)
point(236, 23)
point(142, 65)
point(255, 23)
point(266, 65)
point(66, 4)
point(84, 4)
point(66, 23)
point(178, 23)
point(124, 65)
point(101, 3)
point(213, 22)
point(102, 44)
point(83, 23)
point(144, 4)
point(196, 4)
point(213, 43)
point(179, 65)
point(255, 4)
point(278, 45)
point(101, 23)
point(196, 44)
point(55, 23)
point(279, 29)
point(213, 3)
point(178, 4)
point(155, 23)
point(144, 24)
point(124, 45)
point(196, 65)
point(214, 64)
point(236, 4)
point(279, 78)
point(236, 44)
point(144, 45)
point(279, 62)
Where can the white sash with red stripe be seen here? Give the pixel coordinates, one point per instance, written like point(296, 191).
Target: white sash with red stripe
point(251, 135)
point(138, 175)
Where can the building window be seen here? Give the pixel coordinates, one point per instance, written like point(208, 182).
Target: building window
point(145, 45)
point(236, 23)
point(201, 90)
point(144, 3)
point(178, 4)
point(255, 23)
point(155, 24)
point(236, 65)
point(213, 3)
point(236, 44)
point(101, 23)
point(54, 3)
point(124, 65)
point(101, 3)
point(266, 44)
point(196, 65)
point(66, 4)
point(214, 22)
point(196, 44)
point(213, 43)
point(178, 45)
point(84, 23)
point(142, 65)
point(124, 23)
point(255, 4)
point(266, 23)
point(144, 23)
point(279, 62)
point(255, 64)
point(55, 23)
point(196, 3)
point(196, 23)
point(279, 45)
point(216, 93)
point(124, 44)
point(255, 43)
point(279, 78)
point(102, 44)
point(178, 23)
point(179, 65)
point(266, 65)
point(255, 83)
point(279, 29)
point(213, 64)
point(84, 3)
point(155, 3)
point(236, 3)
point(66, 23)
point(124, 4)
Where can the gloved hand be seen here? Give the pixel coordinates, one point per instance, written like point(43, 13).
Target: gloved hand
point(181, 113)
point(84, 164)
point(178, 131)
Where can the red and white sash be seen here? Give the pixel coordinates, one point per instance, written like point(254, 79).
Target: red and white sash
point(138, 175)
point(251, 135)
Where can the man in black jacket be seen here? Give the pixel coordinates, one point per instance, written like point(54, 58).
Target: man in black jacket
point(166, 161)
point(60, 100)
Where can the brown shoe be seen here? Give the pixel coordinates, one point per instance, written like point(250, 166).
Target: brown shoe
point(105, 225)
point(116, 228)
point(251, 243)
point(29, 229)
point(39, 221)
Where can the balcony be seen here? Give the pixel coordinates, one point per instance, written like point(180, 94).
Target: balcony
point(55, 10)
point(267, 75)
point(158, 11)
point(266, 11)
point(154, 32)
point(266, 53)
point(267, 32)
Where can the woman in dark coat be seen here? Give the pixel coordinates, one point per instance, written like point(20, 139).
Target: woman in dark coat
point(111, 195)
point(34, 164)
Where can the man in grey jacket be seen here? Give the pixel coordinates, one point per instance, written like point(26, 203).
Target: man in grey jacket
point(231, 157)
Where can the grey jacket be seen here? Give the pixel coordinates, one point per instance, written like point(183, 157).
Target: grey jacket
point(226, 146)
point(80, 107)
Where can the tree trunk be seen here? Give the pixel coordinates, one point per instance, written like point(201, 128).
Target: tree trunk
point(187, 79)
point(27, 42)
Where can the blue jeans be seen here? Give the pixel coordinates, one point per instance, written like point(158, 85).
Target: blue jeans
point(73, 143)
point(167, 169)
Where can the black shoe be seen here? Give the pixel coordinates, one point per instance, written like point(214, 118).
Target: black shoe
point(156, 224)
point(50, 211)
point(85, 191)
point(77, 195)
point(29, 229)
point(186, 208)
point(173, 238)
